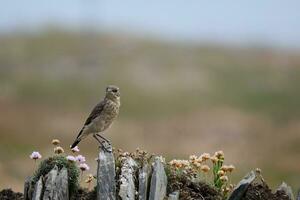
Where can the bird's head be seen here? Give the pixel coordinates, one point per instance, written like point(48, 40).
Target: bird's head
point(112, 92)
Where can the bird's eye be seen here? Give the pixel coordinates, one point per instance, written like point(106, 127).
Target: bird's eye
point(114, 90)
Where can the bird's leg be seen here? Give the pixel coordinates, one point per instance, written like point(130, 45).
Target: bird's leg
point(106, 140)
point(101, 143)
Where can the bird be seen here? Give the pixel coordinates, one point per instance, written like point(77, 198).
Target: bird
point(101, 117)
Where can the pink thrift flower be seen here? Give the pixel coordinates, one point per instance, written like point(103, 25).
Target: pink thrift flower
point(71, 158)
point(75, 149)
point(35, 155)
point(84, 167)
point(80, 158)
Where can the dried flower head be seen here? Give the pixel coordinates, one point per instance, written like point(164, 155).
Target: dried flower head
point(224, 178)
point(219, 154)
point(58, 150)
point(75, 149)
point(71, 158)
point(226, 189)
point(214, 159)
point(90, 178)
point(80, 159)
point(258, 170)
point(35, 155)
point(193, 158)
point(221, 173)
point(55, 142)
point(230, 168)
point(205, 156)
point(224, 168)
point(179, 163)
point(84, 167)
point(205, 168)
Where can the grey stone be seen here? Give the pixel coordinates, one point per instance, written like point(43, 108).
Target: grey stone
point(144, 174)
point(106, 184)
point(127, 187)
point(287, 189)
point(61, 190)
point(27, 189)
point(50, 184)
point(298, 198)
point(242, 187)
point(159, 181)
point(37, 194)
point(174, 196)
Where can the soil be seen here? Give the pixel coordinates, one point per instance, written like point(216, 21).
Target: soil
point(193, 190)
point(84, 194)
point(8, 194)
point(262, 192)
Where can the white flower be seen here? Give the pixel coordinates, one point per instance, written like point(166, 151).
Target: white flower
point(84, 167)
point(71, 158)
point(35, 155)
point(80, 158)
point(75, 149)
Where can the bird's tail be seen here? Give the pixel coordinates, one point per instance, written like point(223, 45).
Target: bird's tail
point(78, 139)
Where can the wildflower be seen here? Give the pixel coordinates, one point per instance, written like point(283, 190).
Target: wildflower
point(224, 168)
point(214, 159)
point(258, 170)
point(55, 142)
point(205, 168)
point(71, 158)
point(231, 186)
point(226, 189)
point(179, 163)
point(75, 149)
point(84, 167)
point(230, 168)
point(80, 159)
point(205, 156)
point(193, 157)
point(90, 178)
point(58, 150)
point(224, 178)
point(219, 154)
point(221, 172)
point(35, 155)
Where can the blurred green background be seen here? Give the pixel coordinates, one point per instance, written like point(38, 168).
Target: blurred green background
point(179, 97)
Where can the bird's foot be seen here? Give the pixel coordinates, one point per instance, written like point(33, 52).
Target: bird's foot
point(105, 146)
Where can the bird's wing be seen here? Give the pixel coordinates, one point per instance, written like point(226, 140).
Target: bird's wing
point(95, 112)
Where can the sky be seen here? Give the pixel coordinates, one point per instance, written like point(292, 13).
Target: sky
point(271, 22)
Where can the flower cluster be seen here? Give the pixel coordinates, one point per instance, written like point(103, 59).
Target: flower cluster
point(198, 167)
point(79, 159)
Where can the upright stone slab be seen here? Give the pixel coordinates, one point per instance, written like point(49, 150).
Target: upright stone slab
point(106, 183)
point(27, 189)
point(37, 194)
point(174, 196)
point(61, 190)
point(287, 190)
point(127, 187)
point(144, 174)
point(242, 187)
point(50, 184)
point(159, 181)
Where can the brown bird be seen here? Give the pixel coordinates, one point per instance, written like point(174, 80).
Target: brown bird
point(101, 116)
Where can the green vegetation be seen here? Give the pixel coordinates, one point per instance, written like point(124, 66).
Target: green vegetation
point(60, 161)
